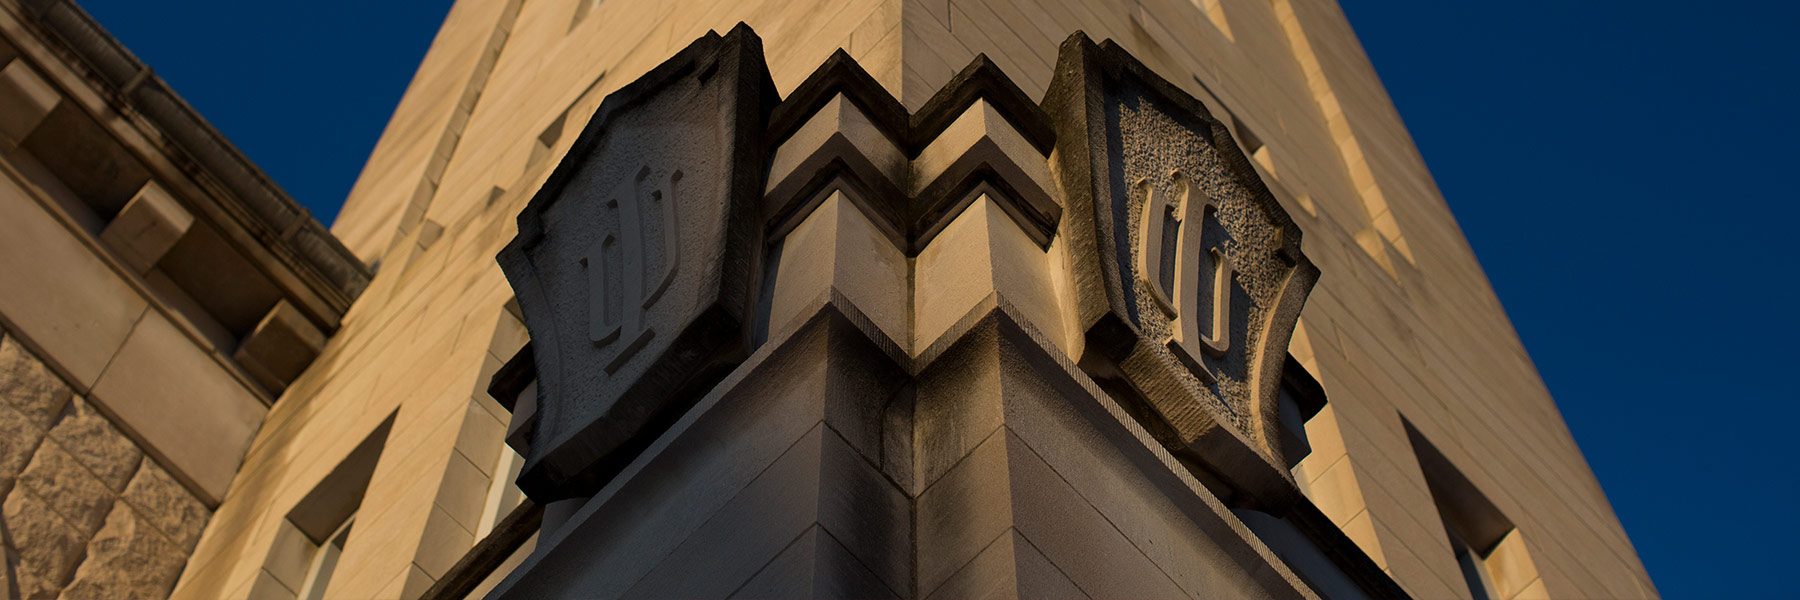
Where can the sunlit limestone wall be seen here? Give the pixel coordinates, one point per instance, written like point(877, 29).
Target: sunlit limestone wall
point(1402, 326)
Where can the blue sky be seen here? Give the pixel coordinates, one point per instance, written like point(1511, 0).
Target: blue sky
point(1624, 171)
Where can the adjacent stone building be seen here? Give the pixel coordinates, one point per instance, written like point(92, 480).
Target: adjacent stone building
point(157, 294)
point(858, 298)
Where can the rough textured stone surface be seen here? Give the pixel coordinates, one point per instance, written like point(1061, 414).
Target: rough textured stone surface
point(1201, 276)
point(28, 386)
point(47, 547)
point(6, 558)
point(127, 559)
point(18, 439)
point(75, 494)
point(96, 444)
point(166, 505)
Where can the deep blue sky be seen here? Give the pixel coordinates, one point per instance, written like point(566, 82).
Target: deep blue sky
point(303, 88)
point(1626, 173)
point(1624, 170)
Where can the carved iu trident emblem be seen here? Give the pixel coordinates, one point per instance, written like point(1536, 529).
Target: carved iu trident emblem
point(630, 267)
point(1186, 270)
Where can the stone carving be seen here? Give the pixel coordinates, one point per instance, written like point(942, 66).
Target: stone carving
point(630, 267)
point(1182, 266)
point(1192, 277)
point(637, 264)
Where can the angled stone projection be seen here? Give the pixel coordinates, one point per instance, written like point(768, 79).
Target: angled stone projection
point(995, 345)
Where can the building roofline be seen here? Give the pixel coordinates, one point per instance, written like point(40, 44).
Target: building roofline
point(288, 228)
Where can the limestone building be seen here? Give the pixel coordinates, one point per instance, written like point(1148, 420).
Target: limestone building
point(863, 298)
point(157, 295)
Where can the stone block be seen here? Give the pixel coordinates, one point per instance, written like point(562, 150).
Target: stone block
point(1010, 567)
point(1510, 566)
point(838, 248)
point(509, 337)
point(149, 225)
point(1074, 535)
point(47, 547)
point(865, 512)
point(838, 122)
point(981, 253)
point(127, 559)
point(789, 575)
point(444, 543)
point(167, 505)
point(58, 293)
point(962, 513)
point(79, 497)
point(957, 407)
point(1361, 529)
point(1535, 591)
point(181, 402)
point(710, 456)
point(283, 343)
point(18, 439)
point(29, 387)
point(1327, 442)
point(265, 587)
point(1092, 449)
point(1421, 580)
point(27, 98)
point(981, 136)
point(414, 583)
point(1335, 492)
point(463, 491)
point(289, 558)
point(750, 530)
point(523, 425)
point(815, 565)
point(490, 366)
point(96, 444)
point(482, 437)
point(822, 485)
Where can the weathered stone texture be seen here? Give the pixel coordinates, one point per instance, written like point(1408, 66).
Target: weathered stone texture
point(75, 494)
point(6, 578)
point(96, 444)
point(127, 559)
point(166, 505)
point(84, 507)
point(18, 439)
point(48, 547)
point(27, 386)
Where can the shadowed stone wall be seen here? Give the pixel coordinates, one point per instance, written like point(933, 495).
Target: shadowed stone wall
point(87, 513)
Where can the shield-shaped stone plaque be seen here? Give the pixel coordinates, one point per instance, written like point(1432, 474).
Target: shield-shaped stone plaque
point(1189, 273)
point(636, 264)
